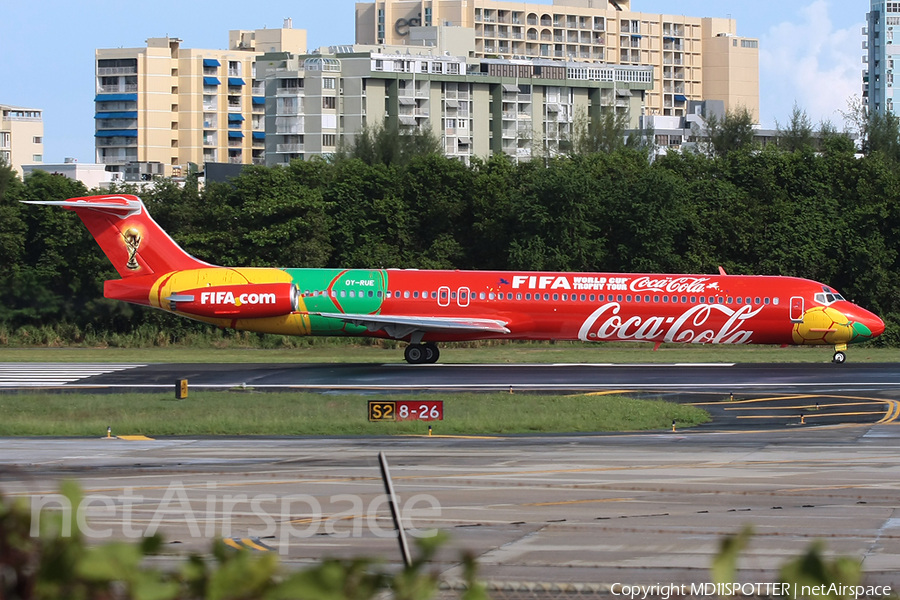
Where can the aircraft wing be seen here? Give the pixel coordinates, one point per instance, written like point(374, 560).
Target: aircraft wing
point(400, 326)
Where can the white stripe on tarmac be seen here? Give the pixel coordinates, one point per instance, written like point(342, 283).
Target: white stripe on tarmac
point(30, 375)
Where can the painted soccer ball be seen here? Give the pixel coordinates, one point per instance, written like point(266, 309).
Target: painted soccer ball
point(823, 325)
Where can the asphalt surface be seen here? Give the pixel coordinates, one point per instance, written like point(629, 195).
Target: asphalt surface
point(719, 377)
point(641, 508)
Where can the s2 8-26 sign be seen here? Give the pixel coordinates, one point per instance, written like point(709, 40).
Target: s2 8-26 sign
point(406, 410)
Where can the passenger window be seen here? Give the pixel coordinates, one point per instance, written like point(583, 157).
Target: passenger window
point(565, 297)
point(443, 295)
point(636, 298)
point(546, 296)
point(766, 300)
point(379, 293)
point(481, 296)
point(406, 294)
point(619, 298)
point(684, 299)
point(721, 300)
point(756, 300)
point(747, 300)
point(646, 298)
point(518, 296)
point(556, 296)
point(694, 299)
point(675, 299)
point(528, 296)
point(343, 293)
point(509, 295)
point(592, 298)
point(462, 295)
point(453, 295)
point(583, 297)
point(371, 293)
point(656, 298)
point(388, 294)
point(601, 298)
point(415, 294)
point(775, 301)
point(730, 300)
point(740, 300)
point(491, 296)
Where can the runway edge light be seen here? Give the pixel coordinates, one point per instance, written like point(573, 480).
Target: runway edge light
point(181, 389)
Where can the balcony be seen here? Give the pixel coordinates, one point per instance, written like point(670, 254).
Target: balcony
point(116, 89)
point(236, 160)
point(117, 142)
point(291, 148)
point(117, 71)
point(259, 160)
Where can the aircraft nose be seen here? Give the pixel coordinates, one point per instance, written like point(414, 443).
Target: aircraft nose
point(866, 324)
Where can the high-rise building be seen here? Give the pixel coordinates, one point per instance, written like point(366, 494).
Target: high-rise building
point(21, 136)
point(176, 106)
point(878, 76)
point(523, 108)
point(695, 58)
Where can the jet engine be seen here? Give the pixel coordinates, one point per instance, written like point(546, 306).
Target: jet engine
point(243, 301)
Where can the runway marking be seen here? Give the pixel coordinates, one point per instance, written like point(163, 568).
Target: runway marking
point(607, 393)
point(892, 413)
point(574, 387)
point(577, 502)
point(806, 406)
point(808, 415)
point(134, 438)
point(456, 437)
point(232, 543)
point(40, 375)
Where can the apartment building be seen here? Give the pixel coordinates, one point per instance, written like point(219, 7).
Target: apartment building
point(523, 108)
point(695, 58)
point(21, 136)
point(173, 105)
point(878, 75)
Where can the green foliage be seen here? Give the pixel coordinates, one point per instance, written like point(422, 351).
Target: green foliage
point(826, 579)
point(388, 145)
point(783, 210)
point(798, 135)
point(812, 569)
point(606, 134)
point(57, 563)
point(732, 133)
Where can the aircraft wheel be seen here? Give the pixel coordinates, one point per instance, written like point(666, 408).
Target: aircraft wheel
point(839, 358)
point(415, 354)
point(432, 352)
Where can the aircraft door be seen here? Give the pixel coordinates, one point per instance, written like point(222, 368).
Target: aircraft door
point(443, 296)
point(462, 296)
point(797, 309)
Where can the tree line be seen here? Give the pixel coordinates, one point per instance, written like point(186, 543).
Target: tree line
point(808, 208)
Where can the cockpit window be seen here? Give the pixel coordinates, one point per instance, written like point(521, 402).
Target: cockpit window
point(828, 298)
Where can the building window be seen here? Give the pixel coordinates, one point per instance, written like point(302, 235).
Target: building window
point(328, 139)
point(37, 139)
point(749, 44)
point(328, 83)
point(37, 158)
point(329, 102)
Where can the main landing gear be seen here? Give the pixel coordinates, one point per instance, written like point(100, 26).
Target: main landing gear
point(418, 354)
point(839, 355)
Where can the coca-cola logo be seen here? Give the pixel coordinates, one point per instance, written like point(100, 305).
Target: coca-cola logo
point(675, 285)
point(699, 324)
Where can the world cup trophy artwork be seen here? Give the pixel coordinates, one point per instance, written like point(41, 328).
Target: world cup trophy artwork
point(132, 242)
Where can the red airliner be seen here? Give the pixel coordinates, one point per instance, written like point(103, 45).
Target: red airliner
point(426, 307)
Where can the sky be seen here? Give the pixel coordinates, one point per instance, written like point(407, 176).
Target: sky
point(809, 50)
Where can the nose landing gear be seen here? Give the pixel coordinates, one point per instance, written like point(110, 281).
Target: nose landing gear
point(839, 355)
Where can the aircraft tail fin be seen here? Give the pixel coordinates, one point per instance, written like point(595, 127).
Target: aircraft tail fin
point(129, 237)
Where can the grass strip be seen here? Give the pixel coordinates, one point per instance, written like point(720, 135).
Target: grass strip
point(248, 413)
point(510, 352)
